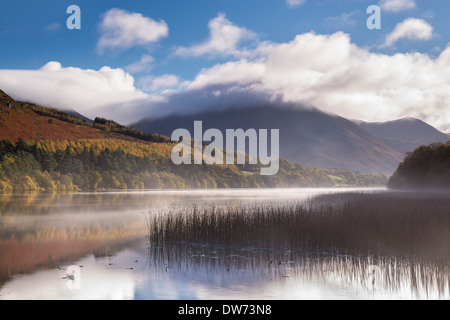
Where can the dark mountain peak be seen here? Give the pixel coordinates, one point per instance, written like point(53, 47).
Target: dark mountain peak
point(410, 119)
point(307, 135)
point(405, 134)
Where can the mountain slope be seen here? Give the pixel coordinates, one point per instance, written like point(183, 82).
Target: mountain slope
point(29, 122)
point(19, 121)
point(44, 149)
point(405, 134)
point(309, 137)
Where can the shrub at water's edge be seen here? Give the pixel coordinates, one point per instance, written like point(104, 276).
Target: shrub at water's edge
point(428, 167)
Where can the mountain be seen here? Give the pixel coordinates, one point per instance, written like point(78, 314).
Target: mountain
point(78, 115)
point(29, 122)
point(405, 134)
point(44, 149)
point(307, 136)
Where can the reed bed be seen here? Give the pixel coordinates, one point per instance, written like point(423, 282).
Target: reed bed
point(411, 226)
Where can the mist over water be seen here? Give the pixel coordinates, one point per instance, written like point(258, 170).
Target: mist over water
point(107, 234)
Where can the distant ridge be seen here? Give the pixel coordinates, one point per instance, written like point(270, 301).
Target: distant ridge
point(307, 136)
point(405, 134)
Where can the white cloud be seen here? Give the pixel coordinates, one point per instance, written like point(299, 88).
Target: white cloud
point(223, 39)
point(412, 29)
point(144, 64)
point(327, 71)
point(151, 83)
point(295, 3)
point(397, 5)
point(90, 92)
point(123, 29)
point(330, 72)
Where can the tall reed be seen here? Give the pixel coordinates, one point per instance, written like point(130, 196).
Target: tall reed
point(401, 225)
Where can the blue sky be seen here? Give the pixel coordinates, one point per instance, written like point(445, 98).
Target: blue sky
point(183, 60)
point(24, 24)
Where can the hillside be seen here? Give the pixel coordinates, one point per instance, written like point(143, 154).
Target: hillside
point(19, 121)
point(43, 149)
point(428, 167)
point(121, 164)
point(29, 122)
point(307, 136)
point(405, 134)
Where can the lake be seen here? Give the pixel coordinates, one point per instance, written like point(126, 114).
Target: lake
point(97, 246)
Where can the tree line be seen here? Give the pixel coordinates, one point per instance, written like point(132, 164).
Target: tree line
point(105, 125)
point(425, 167)
point(119, 164)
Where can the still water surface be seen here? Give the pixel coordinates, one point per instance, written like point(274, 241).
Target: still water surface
point(104, 235)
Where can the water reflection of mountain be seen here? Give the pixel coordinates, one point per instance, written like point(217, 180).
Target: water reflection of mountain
point(46, 203)
point(47, 248)
point(43, 204)
point(39, 231)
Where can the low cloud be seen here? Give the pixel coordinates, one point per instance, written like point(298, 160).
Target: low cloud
point(224, 38)
point(90, 92)
point(326, 71)
point(331, 73)
point(151, 83)
point(397, 5)
point(121, 29)
point(411, 29)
